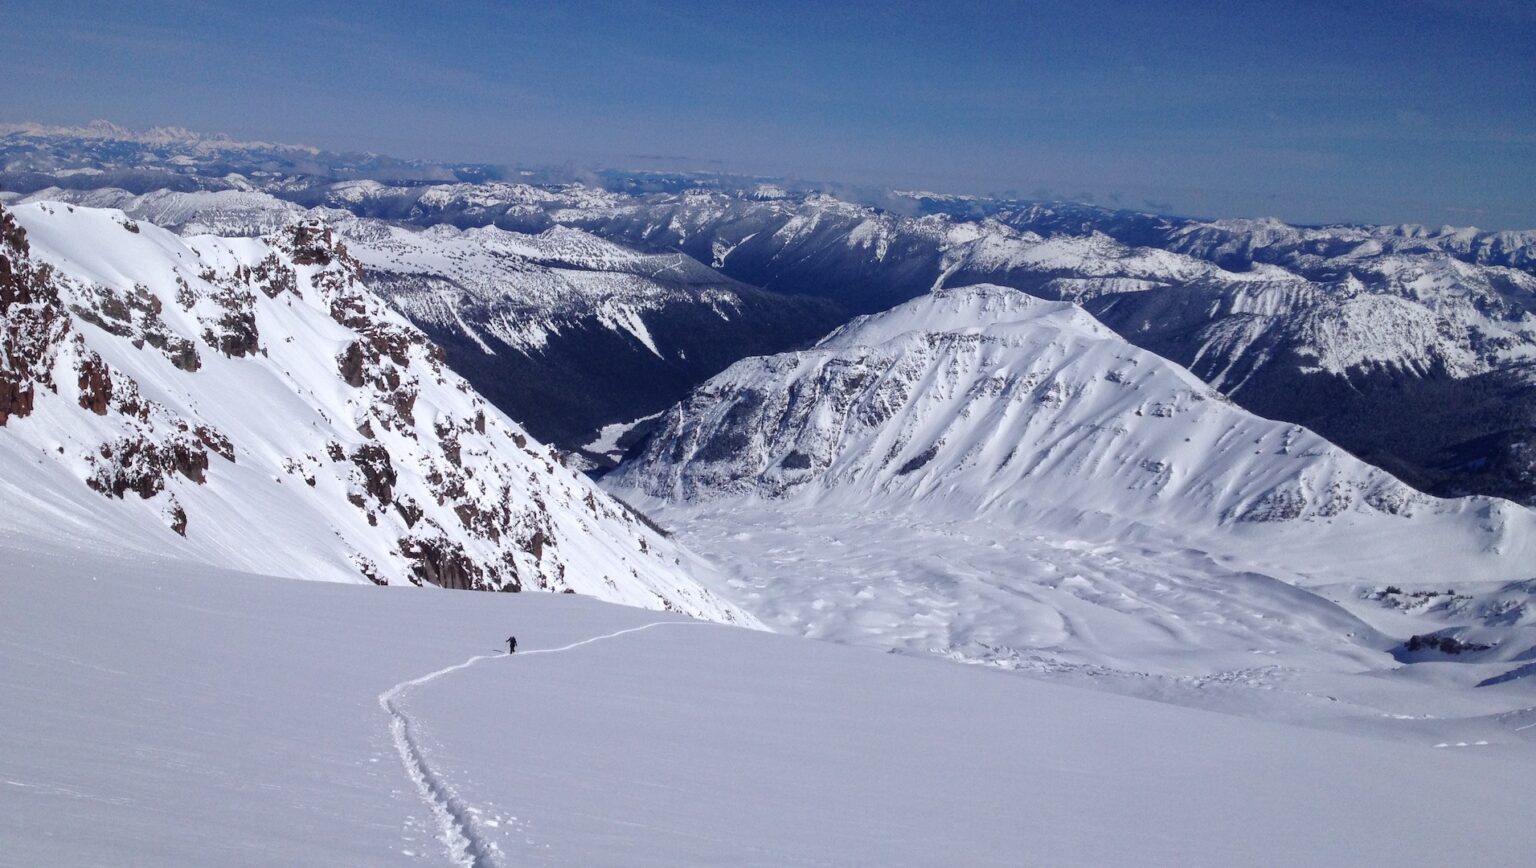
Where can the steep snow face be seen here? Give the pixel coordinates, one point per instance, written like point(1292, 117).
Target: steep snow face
point(249, 403)
point(984, 401)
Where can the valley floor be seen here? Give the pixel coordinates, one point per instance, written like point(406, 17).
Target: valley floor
point(164, 714)
point(1152, 619)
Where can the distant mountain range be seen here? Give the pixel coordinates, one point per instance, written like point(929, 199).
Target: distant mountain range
point(574, 306)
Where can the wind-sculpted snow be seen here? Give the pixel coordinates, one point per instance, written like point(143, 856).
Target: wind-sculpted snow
point(249, 403)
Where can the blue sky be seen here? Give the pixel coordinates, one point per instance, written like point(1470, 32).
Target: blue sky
point(1419, 110)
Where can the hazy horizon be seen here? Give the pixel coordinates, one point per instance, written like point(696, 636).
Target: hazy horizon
point(1414, 112)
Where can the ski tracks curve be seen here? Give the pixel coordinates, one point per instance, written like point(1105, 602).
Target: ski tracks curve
point(456, 830)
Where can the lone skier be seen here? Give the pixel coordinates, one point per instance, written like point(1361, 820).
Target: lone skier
point(511, 644)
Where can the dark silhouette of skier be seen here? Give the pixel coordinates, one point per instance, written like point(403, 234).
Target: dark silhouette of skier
point(511, 644)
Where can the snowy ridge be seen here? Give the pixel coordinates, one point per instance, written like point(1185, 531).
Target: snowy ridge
point(1272, 240)
point(461, 280)
point(1407, 345)
point(570, 332)
point(1421, 316)
point(249, 403)
point(160, 136)
point(238, 212)
point(1415, 354)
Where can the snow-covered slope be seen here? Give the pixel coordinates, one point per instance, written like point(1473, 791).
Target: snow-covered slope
point(249, 403)
point(155, 717)
point(1239, 242)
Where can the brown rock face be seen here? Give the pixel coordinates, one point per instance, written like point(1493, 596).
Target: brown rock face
point(350, 364)
point(443, 563)
point(15, 398)
point(274, 278)
point(312, 245)
point(535, 545)
point(237, 335)
point(215, 441)
point(178, 518)
point(32, 322)
point(142, 463)
point(188, 460)
point(372, 460)
point(410, 511)
point(95, 385)
point(14, 251)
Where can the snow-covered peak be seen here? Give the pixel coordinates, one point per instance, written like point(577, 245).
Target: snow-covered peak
point(981, 401)
point(977, 309)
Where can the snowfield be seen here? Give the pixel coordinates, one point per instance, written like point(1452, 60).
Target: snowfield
point(170, 714)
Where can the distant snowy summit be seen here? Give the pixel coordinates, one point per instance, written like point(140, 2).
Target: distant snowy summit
point(251, 404)
point(181, 137)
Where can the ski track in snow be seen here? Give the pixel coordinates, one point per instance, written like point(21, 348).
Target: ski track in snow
point(456, 829)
